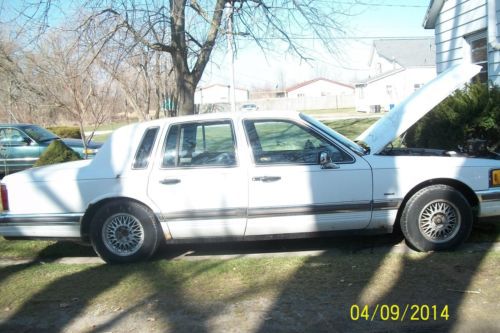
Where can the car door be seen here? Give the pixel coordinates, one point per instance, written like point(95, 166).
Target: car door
point(17, 150)
point(290, 192)
point(199, 183)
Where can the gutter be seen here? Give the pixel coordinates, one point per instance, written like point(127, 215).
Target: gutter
point(492, 25)
point(432, 13)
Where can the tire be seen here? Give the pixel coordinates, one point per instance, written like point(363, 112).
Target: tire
point(437, 217)
point(124, 231)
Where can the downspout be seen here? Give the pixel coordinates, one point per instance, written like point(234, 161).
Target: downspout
point(492, 25)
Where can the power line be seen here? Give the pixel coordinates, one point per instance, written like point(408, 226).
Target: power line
point(343, 38)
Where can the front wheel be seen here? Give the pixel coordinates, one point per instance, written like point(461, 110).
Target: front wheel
point(124, 231)
point(437, 217)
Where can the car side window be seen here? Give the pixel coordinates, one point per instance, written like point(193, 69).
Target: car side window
point(199, 144)
point(12, 137)
point(286, 142)
point(143, 153)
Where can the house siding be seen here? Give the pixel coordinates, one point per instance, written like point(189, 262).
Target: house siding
point(457, 20)
point(218, 94)
point(494, 55)
point(401, 85)
point(320, 88)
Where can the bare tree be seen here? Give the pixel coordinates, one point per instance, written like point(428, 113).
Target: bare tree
point(143, 75)
point(73, 83)
point(188, 30)
point(19, 94)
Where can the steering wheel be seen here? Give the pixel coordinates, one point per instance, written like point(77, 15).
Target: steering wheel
point(223, 158)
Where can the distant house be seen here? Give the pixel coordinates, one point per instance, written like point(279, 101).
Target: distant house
point(319, 87)
point(397, 68)
point(218, 93)
point(466, 30)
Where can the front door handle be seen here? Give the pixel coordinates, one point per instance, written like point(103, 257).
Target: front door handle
point(266, 179)
point(170, 181)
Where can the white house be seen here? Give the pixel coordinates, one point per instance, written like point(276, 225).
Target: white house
point(397, 68)
point(466, 30)
point(218, 93)
point(319, 87)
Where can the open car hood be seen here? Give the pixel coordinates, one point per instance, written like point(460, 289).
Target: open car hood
point(415, 106)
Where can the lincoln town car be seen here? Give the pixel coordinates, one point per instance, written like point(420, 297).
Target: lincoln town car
point(247, 175)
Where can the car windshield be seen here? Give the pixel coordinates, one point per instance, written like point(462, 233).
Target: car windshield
point(39, 134)
point(337, 136)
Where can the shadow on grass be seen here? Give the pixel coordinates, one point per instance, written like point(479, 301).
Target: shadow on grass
point(426, 283)
point(316, 297)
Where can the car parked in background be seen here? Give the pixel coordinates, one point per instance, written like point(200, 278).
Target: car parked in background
point(251, 175)
point(249, 107)
point(22, 144)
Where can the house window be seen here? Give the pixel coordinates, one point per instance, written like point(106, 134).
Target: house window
point(479, 53)
point(361, 90)
point(417, 86)
point(388, 89)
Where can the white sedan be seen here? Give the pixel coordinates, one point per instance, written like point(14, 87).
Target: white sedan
point(249, 175)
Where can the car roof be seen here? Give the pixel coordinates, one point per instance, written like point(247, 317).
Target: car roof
point(237, 115)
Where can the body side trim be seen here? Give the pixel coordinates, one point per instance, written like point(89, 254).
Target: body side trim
point(230, 213)
point(40, 218)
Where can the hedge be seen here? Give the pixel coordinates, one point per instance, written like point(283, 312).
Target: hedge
point(57, 152)
point(470, 113)
point(66, 131)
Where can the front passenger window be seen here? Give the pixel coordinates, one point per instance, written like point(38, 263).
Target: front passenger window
point(285, 142)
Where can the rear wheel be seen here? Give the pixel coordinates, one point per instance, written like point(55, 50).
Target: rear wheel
point(124, 231)
point(437, 217)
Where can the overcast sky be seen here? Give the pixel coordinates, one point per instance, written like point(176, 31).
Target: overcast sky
point(379, 19)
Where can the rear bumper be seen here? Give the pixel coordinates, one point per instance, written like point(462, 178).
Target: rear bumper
point(489, 203)
point(40, 225)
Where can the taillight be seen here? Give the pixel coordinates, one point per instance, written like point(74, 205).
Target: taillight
point(5, 197)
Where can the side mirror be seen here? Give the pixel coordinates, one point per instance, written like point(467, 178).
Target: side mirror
point(326, 161)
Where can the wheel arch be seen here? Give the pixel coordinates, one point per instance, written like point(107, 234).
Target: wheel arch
point(461, 187)
point(94, 207)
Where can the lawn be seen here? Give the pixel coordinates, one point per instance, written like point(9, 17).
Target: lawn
point(321, 112)
point(269, 294)
point(351, 128)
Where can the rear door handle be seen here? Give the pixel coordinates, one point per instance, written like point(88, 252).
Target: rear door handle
point(266, 179)
point(171, 181)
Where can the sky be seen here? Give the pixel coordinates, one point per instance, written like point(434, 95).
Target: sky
point(254, 69)
point(378, 19)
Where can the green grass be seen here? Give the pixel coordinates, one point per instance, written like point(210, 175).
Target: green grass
point(109, 126)
point(330, 111)
point(351, 128)
point(32, 249)
point(101, 137)
point(172, 296)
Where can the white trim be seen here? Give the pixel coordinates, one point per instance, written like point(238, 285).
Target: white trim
point(492, 25)
point(67, 230)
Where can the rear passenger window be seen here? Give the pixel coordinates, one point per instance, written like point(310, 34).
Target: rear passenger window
point(199, 144)
point(143, 153)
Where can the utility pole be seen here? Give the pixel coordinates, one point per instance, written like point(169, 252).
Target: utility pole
point(229, 34)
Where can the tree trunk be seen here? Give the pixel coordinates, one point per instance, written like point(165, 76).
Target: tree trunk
point(185, 95)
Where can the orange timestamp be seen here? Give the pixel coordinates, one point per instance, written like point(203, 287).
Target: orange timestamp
point(396, 312)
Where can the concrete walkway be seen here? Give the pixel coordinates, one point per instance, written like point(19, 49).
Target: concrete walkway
point(205, 252)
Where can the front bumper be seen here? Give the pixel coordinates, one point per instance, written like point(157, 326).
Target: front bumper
point(489, 203)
